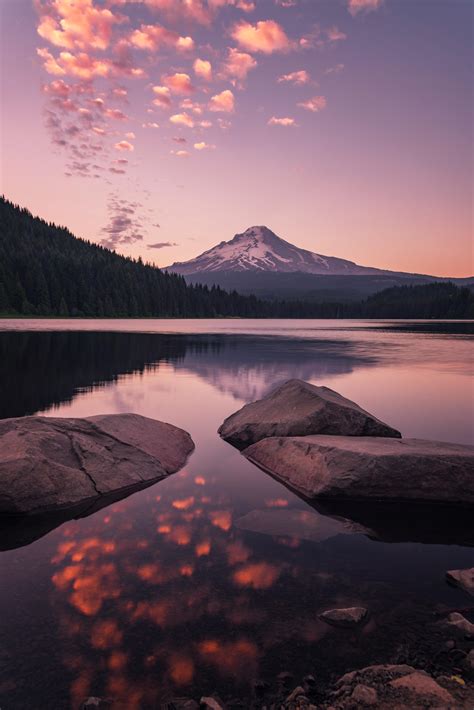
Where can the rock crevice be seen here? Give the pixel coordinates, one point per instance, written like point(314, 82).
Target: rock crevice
point(50, 464)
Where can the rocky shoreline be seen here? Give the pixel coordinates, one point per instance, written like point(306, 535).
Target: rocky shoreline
point(382, 687)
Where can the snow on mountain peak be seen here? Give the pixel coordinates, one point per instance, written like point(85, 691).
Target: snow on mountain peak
point(260, 249)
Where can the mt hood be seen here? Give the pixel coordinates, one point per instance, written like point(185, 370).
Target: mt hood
point(259, 249)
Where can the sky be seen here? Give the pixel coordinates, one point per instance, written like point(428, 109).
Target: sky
point(160, 128)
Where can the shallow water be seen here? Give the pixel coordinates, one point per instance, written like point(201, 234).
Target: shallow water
point(215, 577)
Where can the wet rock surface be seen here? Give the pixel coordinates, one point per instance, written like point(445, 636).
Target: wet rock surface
point(463, 578)
point(348, 617)
point(369, 468)
point(50, 464)
point(459, 623)
point(298, 408)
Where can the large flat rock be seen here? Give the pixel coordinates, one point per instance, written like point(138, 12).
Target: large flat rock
point(367, 468)
point(50, 464)
point(298, 408)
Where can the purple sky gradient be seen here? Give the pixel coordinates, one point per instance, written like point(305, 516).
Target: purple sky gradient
point(343, 125)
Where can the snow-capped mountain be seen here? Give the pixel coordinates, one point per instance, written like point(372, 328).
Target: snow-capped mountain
point(259, 249)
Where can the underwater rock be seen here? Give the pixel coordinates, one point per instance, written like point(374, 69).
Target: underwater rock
point(348, 617)
point(463, 578)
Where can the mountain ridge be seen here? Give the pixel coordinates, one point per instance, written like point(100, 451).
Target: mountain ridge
point(258, 249)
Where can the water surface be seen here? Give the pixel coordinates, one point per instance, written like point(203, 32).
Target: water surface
point(214, 578)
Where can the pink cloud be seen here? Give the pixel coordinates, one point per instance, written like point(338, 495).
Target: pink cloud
point(182, 119)
point(78, 24)
point(266, 36)
point(84, 66)
point(178, 10)
point(203, 146)
point(163, 96)
point(295, 77)
point(335, 35)
point(178, 83)
point(336, 69)
point(317, 103)
point(223, 102)
point(57, 88)
point(124, 145)
point(119, 92)
point(193, 106)
point(286, 121)
point(116, 114)
point(200, 11)
point(180, 153)
point(203, 69)
point(152, 37)
point(238, 64)
point(355, 6)
point(50, 64)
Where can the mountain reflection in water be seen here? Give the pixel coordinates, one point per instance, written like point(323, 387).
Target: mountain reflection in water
point(214, 577)
point(41, 370)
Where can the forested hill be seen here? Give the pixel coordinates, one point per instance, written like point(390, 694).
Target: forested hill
point(46, 271)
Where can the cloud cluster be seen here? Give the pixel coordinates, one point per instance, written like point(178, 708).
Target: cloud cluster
point(162, 245)
point(285, 121)
point(124, 224)
point(178, 83)
point(223, 102)
point(101, 53)
point(76, 24)
point(203, 69)
point(356, 6)
point(266, 36)
point(155, 37)
point(317, 103)
point(296, 77)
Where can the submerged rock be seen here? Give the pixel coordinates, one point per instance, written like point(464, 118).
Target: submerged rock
point(367, 468)
point(397, 687)
point(210, 703)
point(348, 617)
point(419, 686)
point(298, 408)
point(429, 523)
point(463, 578)
point(363, 695)
point(50, 464)
point(294, 524)
point(459, 622)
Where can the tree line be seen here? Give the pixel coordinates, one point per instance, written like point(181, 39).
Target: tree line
point(47, 271)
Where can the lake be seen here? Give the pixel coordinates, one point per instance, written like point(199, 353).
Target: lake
point(213, 579)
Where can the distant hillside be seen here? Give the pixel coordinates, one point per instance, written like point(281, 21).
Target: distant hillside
point(436, 300)
point(46, 271)
point(311, 287)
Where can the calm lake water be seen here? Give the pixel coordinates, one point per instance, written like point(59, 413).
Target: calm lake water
point(214, 578)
